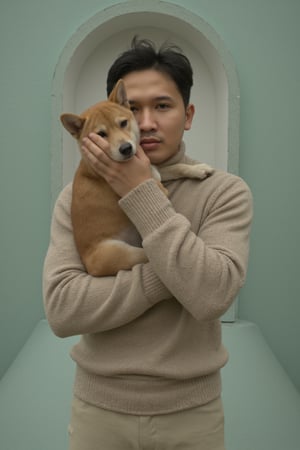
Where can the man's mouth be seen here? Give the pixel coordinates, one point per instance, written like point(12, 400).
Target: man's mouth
point(149, 143)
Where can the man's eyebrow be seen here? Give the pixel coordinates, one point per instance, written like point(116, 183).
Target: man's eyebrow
point(156, 99)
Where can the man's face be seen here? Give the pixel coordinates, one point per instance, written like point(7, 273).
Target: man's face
point(159, 111)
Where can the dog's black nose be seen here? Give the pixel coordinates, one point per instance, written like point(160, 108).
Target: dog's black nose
point(126, 149)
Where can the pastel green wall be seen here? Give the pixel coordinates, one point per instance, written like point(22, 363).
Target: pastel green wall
point(263, 37)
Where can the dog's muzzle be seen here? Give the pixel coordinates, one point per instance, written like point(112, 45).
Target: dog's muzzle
point(126, 150)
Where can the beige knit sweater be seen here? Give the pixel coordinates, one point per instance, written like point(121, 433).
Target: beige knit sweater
point(151, 337)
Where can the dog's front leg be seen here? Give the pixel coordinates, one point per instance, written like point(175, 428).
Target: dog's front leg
point(176, 171)
point(156, 175)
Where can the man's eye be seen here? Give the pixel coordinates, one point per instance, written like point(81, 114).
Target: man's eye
point(123, 123)
point(163, 106)
point(133, 108)
point(102, 133)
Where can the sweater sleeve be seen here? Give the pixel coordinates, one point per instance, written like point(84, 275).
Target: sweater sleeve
point(77, 303)
point(204, 270)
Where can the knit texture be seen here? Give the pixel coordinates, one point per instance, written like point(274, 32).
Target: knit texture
point(151, 337)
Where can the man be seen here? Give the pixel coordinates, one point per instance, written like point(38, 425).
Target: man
point(149, 359)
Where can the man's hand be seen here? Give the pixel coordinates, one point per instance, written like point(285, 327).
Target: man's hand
point(121, 176)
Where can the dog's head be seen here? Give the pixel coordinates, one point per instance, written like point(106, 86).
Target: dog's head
point(112, 120)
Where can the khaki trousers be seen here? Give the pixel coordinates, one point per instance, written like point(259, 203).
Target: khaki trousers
point(200, 428)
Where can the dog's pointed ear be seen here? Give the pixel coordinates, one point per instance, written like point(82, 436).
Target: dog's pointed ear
point(73, 124)
point(118, 94)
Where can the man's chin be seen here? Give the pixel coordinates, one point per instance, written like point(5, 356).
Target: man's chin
point(154, 158)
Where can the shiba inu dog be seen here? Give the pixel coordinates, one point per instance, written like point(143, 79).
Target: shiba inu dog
point(105, 238)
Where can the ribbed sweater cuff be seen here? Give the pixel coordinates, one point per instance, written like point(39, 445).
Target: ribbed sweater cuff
point(154, 289)
point(147, 207)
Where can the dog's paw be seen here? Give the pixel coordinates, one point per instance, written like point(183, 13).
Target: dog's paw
point(200, 171)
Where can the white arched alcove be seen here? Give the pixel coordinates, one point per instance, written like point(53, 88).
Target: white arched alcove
point(80, 80)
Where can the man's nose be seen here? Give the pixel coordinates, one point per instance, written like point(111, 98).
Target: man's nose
point(146, 120)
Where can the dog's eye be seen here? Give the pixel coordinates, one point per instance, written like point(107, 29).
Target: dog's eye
point(123, 123)
point(102, 133)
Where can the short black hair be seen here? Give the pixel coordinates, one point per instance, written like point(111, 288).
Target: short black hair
point(168, 59)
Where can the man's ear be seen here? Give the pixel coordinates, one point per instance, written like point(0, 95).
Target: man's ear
point(118, 94)
point(189, 115)
point(73, 124)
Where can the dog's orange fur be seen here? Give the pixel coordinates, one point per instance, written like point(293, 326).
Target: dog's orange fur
point(100, 226)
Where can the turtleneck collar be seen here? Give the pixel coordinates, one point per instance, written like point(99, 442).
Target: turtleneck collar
point(179, 157)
